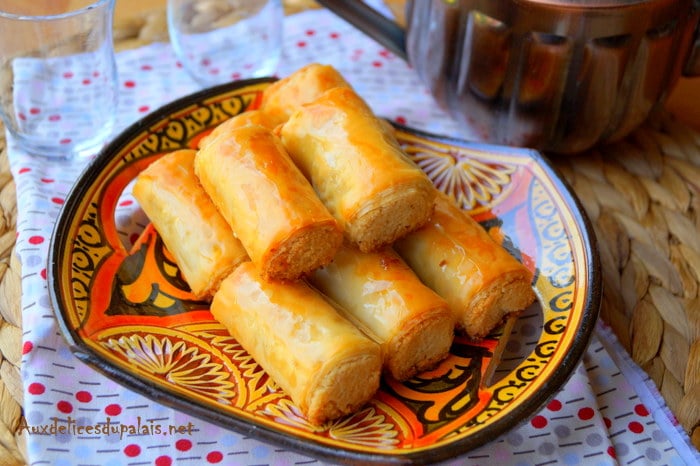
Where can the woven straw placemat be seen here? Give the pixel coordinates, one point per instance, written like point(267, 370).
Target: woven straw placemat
point(641, 194)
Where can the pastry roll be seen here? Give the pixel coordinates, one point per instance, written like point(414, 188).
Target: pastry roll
point(198, 237)
point(358, 169)
point(325, 364)
point(458, 259)
point(381, 294)
point(284, 97)
point(271, 207)
point(251, 117)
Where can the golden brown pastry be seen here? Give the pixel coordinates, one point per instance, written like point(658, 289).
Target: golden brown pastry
point(325, 364)
point(199, 238)
point(458, 259)
point(284, 97)
point(250, 117)
point(270, 206)
point(381, 294)
point(358, 169)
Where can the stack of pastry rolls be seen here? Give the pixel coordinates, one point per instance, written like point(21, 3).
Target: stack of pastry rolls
point(313, 192)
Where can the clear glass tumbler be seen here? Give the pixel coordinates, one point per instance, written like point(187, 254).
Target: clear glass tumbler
point(58, 79)
point(219, 41)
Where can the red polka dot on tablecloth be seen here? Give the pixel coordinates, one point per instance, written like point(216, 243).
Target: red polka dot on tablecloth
point(64, 407)
point(377, 64)
point(86, 81)
point(163, 461)
point(113, 409)
point(22, 116)
point(215, 457)
point(57, 200)
point(635, 427)
point(144, 108)
point(146, 67)
point(126, 203)
point(83, 396)
point(54, 117)
point(95, 74)
point(586, 413)
point(611, 452)
point(27, 347)
point(132, 450)
point(34, 111)
point(235, 75)
point(36, 239)
point(539, 422)
point(641, 410)
point(68, 74)
point(129, 84)
point(36, 388)
point(43, 274)
point(47, 180)
point(554, 405)
point(183, 444)
point(607, 422)
point(65, 141)
point(301, 43)
point(334, 35)
point(310, 32)
point(401, 120)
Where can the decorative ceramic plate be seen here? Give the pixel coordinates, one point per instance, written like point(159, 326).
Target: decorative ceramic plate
point(125, 309)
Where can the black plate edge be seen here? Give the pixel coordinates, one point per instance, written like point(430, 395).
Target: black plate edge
point(311, 448)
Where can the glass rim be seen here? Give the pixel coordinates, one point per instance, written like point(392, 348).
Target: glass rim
point(54, 17)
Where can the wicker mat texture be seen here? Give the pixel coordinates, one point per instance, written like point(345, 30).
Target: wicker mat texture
point(642, 196)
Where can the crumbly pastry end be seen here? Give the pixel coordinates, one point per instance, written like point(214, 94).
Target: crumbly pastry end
point(303, 252)
point(269, 205)
point(512, 293)
point(420, 345)
point(391, 216)
point(343, 387)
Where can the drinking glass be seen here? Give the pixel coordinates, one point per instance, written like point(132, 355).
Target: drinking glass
point(218, 41)
point(58, 79)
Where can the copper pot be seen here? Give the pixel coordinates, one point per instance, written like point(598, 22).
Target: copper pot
point(555, 75)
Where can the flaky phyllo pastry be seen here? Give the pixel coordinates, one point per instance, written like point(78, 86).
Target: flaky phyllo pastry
point(271, 207)
point(191, 227)
point(326, 252)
